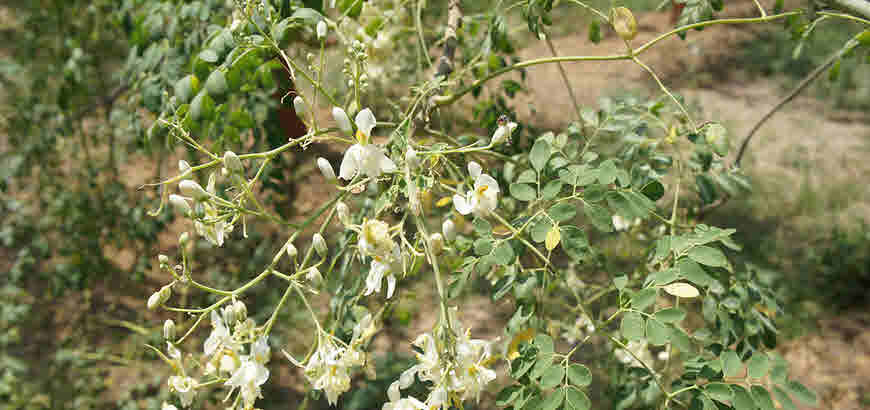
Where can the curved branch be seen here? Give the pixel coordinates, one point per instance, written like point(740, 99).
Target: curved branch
point(454, 18)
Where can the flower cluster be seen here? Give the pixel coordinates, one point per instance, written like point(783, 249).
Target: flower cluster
point(328, 368)
point(458, 370)
point(375, 241)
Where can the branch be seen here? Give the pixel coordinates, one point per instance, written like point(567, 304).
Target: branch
point(104, 100)
point(454, 17)
point(790, 96)
point(859, 7)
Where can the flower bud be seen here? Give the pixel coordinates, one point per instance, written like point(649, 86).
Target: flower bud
point(193, 189)
point(163, 259)
point(313, 275)
point(436, 243)
point(240, 310)
point(300, 106)
point(169, 330)
point(342, 120)
point(326, 169)
point(183, 238)
point(320, 245)
point(623, 22)
point(180, 204)
point(232, 162)
point(160, 297)
point(411, 158)
point(291, 250)
point(321, 29)
point(343, 212)
point(183, 166)
point(448, 228)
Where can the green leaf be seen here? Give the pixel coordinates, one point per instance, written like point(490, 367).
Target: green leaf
point(620, 281)
point(671, 315)
point(694, 272)
point(654, 190)
point(539, 154)
point(202, 107)
point(742, 400)
point(186, 88)
point(579, 375)
point(607, 172)
point(551, 190)
point(527, 177)
point(562, 212)
point(719, 391)
point(552, 377)
point(632, 326)
point(758, 365)
point(594, 32)
point(575, 244)
point(598, 216)
point(507, 395)
point(503, 253)
point(656, 332)
point(576, 400)
point(522, 192)
point(644, 298)
point(801, 392)
point(544, 343)
point(553, 400)
point(709, 256)
point(540, 228)
point(762, 398)
point(216, 84)
point(482, 227)
point(731, 364)
point(209, 56)
point(666, 276)
point(680, 339)
point(483, 246)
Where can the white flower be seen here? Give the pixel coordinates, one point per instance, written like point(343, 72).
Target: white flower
point(343, 212)
point(635, 348)
point(167, 406)
point(411, 158)
point(365, 158)
point(483, 199)
point(220, 349)
point(384, 265)
point(408, 403)
point(248, 378)
point(313, 275)
point(328, 368)
point(300, 106)
point(185, 387)
point(319, 244)
point(374, 240)
point(232, 162)
point(503, 133)
point(448, 228)
point(193, 189)
point(180, 204)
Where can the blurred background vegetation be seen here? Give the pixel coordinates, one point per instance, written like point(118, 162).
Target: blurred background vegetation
point(77, 245)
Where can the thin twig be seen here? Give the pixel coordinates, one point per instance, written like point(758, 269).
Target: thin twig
point(454, 17)
point(564, 77)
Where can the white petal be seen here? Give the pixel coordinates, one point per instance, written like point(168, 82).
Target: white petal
point(488, 181)
point(385, 163)
point(365, 121)
point(391, 285)
point(462, 205)
point(474, 169)
point(350, 164)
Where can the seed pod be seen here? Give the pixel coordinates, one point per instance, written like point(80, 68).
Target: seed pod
point(233, 163)
point(180, 204)
point(623, 23)
point(342, 120)
point(448, 228)
point(193, 189)
point(326, 169)
point(169, 330)
point(320, 245)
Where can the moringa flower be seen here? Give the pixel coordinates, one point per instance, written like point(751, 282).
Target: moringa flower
point(368, 159)
point(483, 199)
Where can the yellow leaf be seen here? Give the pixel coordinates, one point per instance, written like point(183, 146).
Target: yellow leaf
point(553, 238)
point(520, 337)
point(443, 202)
point(448, 181)
point(681, 289)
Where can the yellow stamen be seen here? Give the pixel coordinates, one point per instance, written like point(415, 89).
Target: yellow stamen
point(362, 137)
point(482, 189)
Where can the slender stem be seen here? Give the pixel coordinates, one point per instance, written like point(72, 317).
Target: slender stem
point(564, 77)
point(666, 91)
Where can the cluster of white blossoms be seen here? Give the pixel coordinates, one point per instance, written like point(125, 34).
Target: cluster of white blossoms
point(375, 241)
point(581, 328)
point(483, 199)
point(639, 350)
point(210, 224)
point(461, 374)
point(622, 224)
point(328, 368)
point(224, 358)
